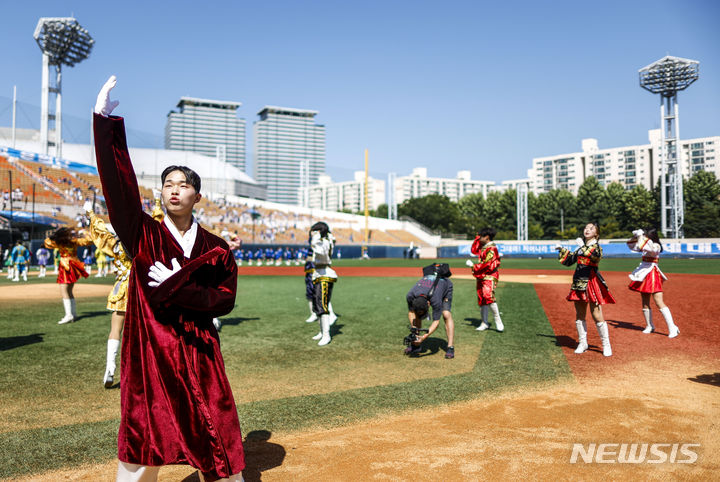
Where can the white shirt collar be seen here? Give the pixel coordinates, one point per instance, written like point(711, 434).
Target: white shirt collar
point(188, 240)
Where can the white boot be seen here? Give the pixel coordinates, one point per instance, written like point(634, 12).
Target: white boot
point(673, 330)
point(313, 316)
point(325, 330)
point(604, 337)
point(582, 336)
point(649, 328)
point(496, 315)
point(484, 324)
point(25, 275)
point(68, 318)
point(217, 324)
point(16, 274)
point(112, 349)
point(319, 333)
point(73, 309)
point(333, 316)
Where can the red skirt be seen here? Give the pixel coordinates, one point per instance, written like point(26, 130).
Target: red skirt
point(71, 275)
point(651, 284)
point(596, 292)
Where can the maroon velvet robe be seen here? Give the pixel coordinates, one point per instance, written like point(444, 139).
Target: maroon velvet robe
point(176, 403)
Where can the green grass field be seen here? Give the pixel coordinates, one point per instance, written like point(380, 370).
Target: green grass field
point(56, 414)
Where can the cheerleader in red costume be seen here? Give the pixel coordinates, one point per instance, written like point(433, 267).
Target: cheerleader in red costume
point(70, 269)
point(647, 279)
point(588, 286)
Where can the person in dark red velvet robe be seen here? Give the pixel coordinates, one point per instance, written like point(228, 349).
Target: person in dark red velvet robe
point(176, 403)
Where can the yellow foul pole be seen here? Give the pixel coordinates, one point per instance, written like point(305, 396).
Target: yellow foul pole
point(367, 231)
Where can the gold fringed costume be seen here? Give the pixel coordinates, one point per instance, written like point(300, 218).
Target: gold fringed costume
point(107, 243)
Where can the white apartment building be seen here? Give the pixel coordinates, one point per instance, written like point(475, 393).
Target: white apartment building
point(289, 152)
point(418, 184)
point(348, 195)
point(628, 165)
point(208, 127)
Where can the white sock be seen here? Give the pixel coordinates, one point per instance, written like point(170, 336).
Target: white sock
point(668, 319)
point(112, 349)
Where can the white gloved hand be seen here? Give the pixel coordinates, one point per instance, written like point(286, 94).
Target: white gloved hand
point(558, 247)
point(88, 206)
point(638, 232)
point(315, 237)
point(157, 194)
point(160, 273)
point(580, 242)
point(469, 263)
point(104, 106)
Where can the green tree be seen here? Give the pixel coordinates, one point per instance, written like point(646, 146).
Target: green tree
point(590, 201)
point(553, 210)
point(640, 209)
point(435, 211)
point(471, 217)
point(613, 202)
point(380, 212)
point(702, 206)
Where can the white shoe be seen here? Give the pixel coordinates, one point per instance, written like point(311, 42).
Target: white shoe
point(674, 332)
point(648, 329)
point(108, 379)
point(483, 326)
point(66, 319)
point(607, 350)
point(324, 340)
point(499, 325)
point(582, 347)
point(318, 336)
point(311, 318)
point(217, 323)
point(324, 330)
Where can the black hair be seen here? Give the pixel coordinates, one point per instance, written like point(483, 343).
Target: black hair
point(652, 234)
point(63, 236)
point(191, 176)
point(490, 232)
point(322, 227)
point(419, 305)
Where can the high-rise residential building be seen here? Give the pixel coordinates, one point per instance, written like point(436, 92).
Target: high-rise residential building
point(629, 165)
point(344, 196)
point(288, 152)
point(209, 127)
point(418, 184)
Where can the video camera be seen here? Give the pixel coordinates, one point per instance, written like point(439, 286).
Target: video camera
point(413, 336)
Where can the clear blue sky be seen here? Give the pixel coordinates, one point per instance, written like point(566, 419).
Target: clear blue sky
point(484, 86)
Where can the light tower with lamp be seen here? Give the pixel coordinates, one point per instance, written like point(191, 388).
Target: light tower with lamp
point(667, 77)
point(63, 42)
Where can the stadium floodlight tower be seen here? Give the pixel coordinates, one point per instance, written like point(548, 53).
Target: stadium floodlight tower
point(522, 211)
point(63, 42)
point(667, 77)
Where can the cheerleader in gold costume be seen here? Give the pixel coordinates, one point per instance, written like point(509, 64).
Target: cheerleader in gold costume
point(109, 245)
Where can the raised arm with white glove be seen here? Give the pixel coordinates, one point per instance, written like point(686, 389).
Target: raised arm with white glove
point(88, 206)
point(638, 232)
point(104, 106)
point(580, 242)
point(469, 263)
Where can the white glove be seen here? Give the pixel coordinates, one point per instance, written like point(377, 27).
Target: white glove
point(157, 194)
point(160, 273)
point(580, 242)
point(638, 232)
point(558, 247)
point(469, 263)
point(315, 237)
point(104, 106)
point(87, 207)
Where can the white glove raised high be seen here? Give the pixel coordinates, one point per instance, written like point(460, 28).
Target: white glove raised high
point(104, 106)
point(88, 206)
point(580, 242)
point(638, 232)
point(160, 273)
point(469, 263)
point(157, 194)
point(558, 247)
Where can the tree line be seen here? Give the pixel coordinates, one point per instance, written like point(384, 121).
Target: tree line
point(559, 214)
